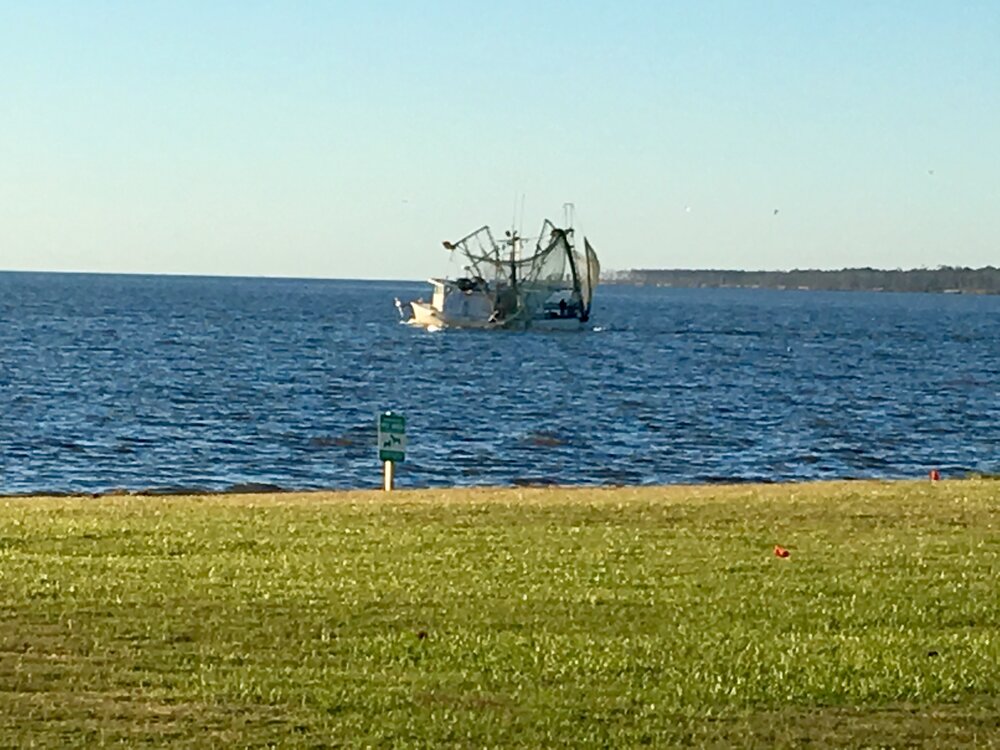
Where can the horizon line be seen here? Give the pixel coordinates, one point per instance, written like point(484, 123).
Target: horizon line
point(278, 277)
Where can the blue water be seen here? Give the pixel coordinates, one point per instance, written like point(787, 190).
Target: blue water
point(145, 382)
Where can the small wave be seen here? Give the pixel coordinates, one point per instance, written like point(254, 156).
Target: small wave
point(545, 439)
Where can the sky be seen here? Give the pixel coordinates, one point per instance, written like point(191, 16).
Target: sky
point(348, 139)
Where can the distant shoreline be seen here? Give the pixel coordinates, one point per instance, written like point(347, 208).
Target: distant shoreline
point(942, 280)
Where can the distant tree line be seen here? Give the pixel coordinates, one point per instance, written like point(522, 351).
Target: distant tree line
point(942, 279)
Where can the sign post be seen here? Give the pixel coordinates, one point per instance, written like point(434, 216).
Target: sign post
point(391, 445)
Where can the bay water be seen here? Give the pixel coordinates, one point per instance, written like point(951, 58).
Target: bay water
point(167, 383)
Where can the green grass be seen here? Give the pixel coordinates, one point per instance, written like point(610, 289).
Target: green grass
point(514, 617)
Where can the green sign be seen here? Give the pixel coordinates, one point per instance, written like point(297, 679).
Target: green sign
point(391, 437)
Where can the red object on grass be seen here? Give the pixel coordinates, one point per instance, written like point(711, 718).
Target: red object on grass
point(935, 475)
point(780, 551)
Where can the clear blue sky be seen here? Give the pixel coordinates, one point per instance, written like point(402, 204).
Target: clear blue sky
point(347, 139)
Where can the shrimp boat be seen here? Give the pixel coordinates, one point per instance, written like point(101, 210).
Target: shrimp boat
point(550, 289)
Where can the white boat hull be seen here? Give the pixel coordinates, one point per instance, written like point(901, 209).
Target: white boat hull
point(426, 315)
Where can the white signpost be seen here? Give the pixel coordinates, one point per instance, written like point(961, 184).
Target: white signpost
point(391, 445)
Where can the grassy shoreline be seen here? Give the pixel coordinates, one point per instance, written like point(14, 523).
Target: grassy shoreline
point(505, 617)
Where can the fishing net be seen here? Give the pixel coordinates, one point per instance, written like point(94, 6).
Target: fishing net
point(555, 277)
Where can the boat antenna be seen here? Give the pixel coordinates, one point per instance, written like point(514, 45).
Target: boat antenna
point(569, 209)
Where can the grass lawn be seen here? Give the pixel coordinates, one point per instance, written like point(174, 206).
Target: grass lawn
point(508, 617)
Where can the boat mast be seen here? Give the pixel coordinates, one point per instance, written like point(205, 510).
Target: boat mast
point(512, 240)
